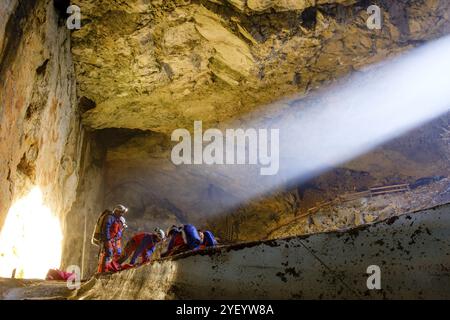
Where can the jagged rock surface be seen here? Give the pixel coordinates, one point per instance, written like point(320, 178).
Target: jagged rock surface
point(163, 64)
point(39, 124)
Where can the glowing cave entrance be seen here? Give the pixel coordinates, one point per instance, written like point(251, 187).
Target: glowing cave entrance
point(31, 239)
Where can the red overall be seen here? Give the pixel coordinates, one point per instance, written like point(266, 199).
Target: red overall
point(112, 246)
point(176, 244)
point(141, 245)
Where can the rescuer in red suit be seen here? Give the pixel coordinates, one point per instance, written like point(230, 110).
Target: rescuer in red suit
point(184, 238)
point(112, 231)
point(176, 242)
point(141, 245)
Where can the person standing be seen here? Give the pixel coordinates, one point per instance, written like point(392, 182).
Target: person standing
point(108, 235)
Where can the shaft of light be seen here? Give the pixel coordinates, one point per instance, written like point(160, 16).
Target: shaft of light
point(349, 119)
point(370, 109)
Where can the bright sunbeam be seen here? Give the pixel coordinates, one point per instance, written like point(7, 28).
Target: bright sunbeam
point(31, 239)
point(346, 120)
point(368, 110)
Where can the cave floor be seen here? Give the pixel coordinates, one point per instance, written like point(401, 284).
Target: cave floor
point(33, 289)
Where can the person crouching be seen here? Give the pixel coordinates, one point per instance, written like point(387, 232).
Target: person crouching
point(182, 239)
point(141, 245)
point(208, 239)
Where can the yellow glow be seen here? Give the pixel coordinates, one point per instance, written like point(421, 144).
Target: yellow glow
point(31, 239)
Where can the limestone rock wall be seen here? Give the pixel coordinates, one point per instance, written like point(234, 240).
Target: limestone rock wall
point(39, 124)
point(41, 135)
point(80, 220)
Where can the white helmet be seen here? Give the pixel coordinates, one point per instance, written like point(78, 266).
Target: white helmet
point(124, 222)
point(160, 234)
point(120, 209)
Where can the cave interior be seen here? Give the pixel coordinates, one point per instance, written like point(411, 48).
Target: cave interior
point(87, 114)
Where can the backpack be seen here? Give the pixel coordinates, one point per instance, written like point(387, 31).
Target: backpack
point(209, 240)
point(191, 236)
point(97, 236)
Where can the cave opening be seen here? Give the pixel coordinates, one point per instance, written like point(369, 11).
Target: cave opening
point(31, 238)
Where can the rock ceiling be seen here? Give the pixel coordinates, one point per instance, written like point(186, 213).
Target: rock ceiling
point(159, 65)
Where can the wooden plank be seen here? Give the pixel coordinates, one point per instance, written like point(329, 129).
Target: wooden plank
point(389, 191)
point(389, 187)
